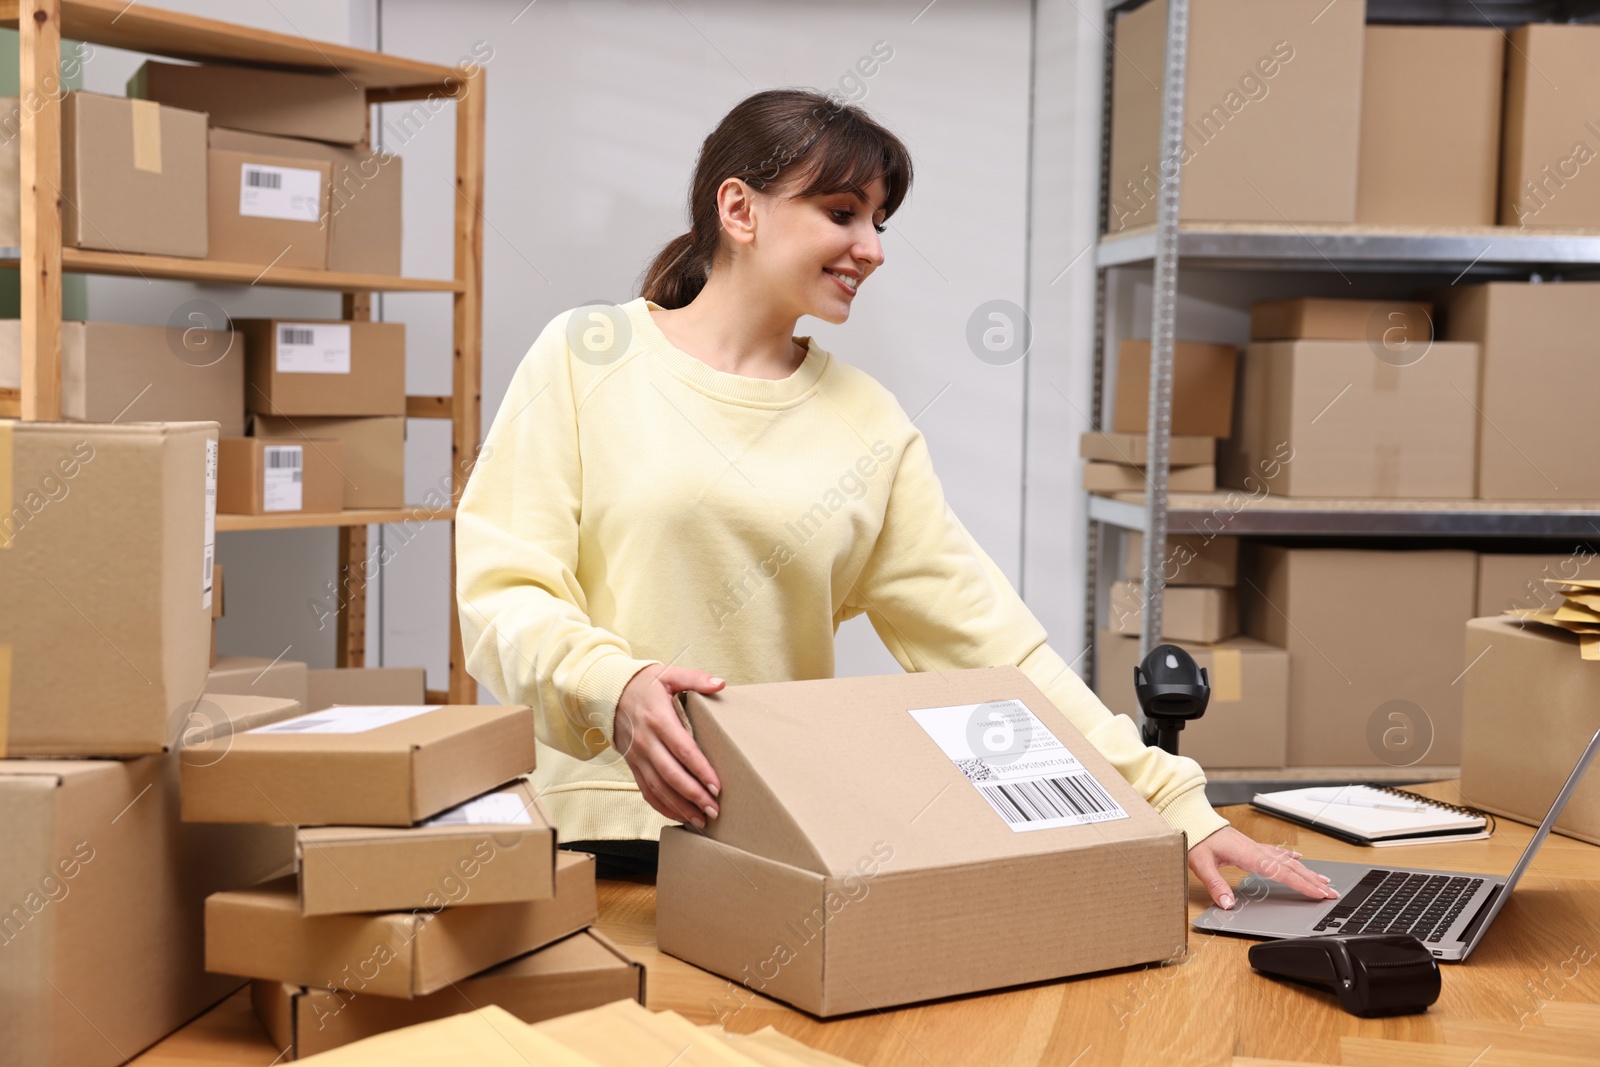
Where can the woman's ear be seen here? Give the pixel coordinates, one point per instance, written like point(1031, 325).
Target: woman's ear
point(736, 210)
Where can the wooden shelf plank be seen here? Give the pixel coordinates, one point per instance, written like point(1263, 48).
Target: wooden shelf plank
point(10, 403)
point(85, 261)
point(293, 520)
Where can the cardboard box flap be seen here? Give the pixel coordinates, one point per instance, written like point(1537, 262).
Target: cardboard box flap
point(815, 772)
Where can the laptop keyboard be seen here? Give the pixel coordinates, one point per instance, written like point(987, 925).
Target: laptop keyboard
point(1399, 902)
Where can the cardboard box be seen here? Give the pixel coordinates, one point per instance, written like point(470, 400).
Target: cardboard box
point(1204, 613)
point(1272, 108)
point(106, 544)
point(1552, 132)
point(115, 372)
point(363, 766)
point(1382, 322)
point(260, 475)
point(1121, 478)
point(584, 970)
point(374, 452)
point(103, 891)
point(328, 686)
point(837, 891)
point(260, 933)
point(363, 204)
point(1531, 705)
point(1246, 723)
point(1508, 581)
point(256, 676)
point(1133, 448)
point(1430, 125)
point(495, 848)
point(1190, 559)
point(133, 176)
point(216, 609)
point(267, 210)
point(324, 367)
point(1374, 642)
point(1538, 376)
point(1343, 422)
point(323, 107)
point(1202, 388)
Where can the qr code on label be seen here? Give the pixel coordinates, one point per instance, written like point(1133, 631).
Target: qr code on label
point(975, 769)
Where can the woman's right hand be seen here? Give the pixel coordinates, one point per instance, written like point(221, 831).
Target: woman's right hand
point(673, 774)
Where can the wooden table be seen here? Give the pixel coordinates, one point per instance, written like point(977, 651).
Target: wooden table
point(1529, 995)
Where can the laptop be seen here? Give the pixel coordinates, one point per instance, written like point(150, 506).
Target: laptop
point(1449, 911)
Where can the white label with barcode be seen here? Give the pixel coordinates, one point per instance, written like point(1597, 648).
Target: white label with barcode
point(209, 556)
point(351, 719)
point(503, 809)
point(292, 193)
point(281, 467)
point(1027, 775)
point(313, 348)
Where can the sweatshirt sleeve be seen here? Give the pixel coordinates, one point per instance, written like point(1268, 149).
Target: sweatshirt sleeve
point(525, 626)
point(940, 603)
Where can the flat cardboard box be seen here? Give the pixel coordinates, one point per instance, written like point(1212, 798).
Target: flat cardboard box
point(1203, 613)
point(1272, 110)
point(1246, 723)
point(1508, 580)
point(265, 475)
point(363, 766)
point(104, 890)
point(106, 545)
point(1537, 378)
point(1430, 125)
point(1531, 705)
point(363, 204)
point(260, 933)
point(1121, 478)
point(1551, 129)
point(1202, 388)
point(583, 970)
point(495, 848)
point(115, 372)
point(267, 210)
point(374, 452)
point(1317, 319)
point(323, 107)
point(1346, 423)
point(327, 686)
point(133, 176)
point(257, 676)
point(1374, 642)
point(839, 891)
point(324, 367)
point(1191, 559)
point(1133, 448)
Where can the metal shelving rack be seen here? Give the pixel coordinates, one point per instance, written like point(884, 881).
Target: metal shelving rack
point(41, 25)
point(1480, 252)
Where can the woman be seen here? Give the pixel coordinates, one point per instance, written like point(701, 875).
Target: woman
point(680, 480)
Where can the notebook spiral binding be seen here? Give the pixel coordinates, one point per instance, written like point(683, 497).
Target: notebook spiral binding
point(1459, 809)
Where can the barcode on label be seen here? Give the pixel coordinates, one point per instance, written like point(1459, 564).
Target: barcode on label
point(283, 457)
point(263, 179)
point(297, 335)
point(1074, 795)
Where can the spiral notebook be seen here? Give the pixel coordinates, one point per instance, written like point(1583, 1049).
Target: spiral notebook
point(1376, 815)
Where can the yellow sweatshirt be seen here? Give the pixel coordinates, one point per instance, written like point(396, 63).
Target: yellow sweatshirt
point(632, 505)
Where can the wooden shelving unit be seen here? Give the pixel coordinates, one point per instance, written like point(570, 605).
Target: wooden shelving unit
point(41, 25)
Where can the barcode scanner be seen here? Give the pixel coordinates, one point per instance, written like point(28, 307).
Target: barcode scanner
point(1172, 689)
point(1372, 974)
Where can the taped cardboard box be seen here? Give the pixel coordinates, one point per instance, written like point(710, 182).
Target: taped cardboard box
point(267, 210)
point(1189, 560)
point(324, 367)
point(1202, 388)
point(1133, 448)
point(258, 676)
point(374, 453)
point(1203, 613)
point(104, 891)
point(1531, 704)
point(363, 766)
point(495, 848)
point(583, 970)
point(133, 176)
point(1120, 478)
point(1551, 129)
point(260, 933)
point(1430, 125)
point(327, 686)
point(1316, 319)
point(1374, 642)
point(838, 890)
point(1507, 580)
point(1246, 724)
point(323, 107)
point(106, 544)
point(1342, 419)
point(262, 475)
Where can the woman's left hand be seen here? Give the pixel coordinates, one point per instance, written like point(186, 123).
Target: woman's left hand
point(1230, 848)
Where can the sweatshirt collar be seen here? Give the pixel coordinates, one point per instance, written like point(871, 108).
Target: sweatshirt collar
point(736, 388)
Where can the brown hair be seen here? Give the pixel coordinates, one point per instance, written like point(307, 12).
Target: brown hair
point(768, 140)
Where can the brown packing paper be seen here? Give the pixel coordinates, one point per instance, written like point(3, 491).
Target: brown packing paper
point(485, 1037)
point(625, 1032)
